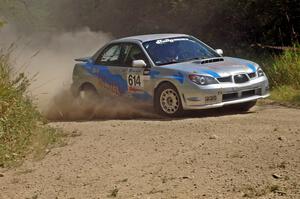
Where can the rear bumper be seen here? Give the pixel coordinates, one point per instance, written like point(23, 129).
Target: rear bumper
point(215, 96)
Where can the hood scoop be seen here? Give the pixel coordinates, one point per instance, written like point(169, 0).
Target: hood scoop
point(206, 61)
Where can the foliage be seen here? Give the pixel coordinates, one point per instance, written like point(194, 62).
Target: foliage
point(286, 95)
point(21, 125)
point(223, 23)
point(285, 69)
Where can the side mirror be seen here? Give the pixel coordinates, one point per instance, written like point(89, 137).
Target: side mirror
point(220, 52)
point(139, 63)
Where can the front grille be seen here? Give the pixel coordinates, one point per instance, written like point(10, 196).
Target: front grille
point(230, 96)
point(241, 95)
point(248, 93)
point(225, 79)
point(252, 75)
point(242, 78)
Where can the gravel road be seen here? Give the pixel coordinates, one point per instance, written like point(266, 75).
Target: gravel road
point(209, 155)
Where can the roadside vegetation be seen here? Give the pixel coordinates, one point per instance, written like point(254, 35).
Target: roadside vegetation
point(284, 75)
point(22, 128)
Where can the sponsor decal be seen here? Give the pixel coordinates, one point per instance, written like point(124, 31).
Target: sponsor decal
point(163, 41)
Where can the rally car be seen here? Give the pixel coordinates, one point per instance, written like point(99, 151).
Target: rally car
point(174, 72)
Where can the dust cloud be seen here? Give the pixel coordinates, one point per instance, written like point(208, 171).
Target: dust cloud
point(64, 107)
point(49, 58)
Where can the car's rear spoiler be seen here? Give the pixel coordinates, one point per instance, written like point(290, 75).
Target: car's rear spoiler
point(84, 59)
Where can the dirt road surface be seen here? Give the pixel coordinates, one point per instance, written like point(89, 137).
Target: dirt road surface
point(210, 155)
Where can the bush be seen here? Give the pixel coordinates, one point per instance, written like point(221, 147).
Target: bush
point(21, 125)
point(284, 75)
point(286, 95)
point(285, 70)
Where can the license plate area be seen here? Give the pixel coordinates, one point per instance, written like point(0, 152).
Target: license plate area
point(241, 94)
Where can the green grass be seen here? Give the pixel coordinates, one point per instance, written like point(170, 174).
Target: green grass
point(285, 69)
point(2, 23)
point(284, 76)
point(22, 128)
point(286, 95)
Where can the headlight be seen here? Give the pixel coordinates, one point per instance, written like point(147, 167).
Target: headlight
point(202, 80)
point(260, 72)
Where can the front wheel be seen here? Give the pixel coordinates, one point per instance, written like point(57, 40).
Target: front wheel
point(167, 101)
point(244, 107)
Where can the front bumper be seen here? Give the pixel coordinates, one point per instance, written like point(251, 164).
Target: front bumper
point(214, 96)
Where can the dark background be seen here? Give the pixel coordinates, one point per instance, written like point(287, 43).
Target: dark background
point(221, 22)
point(227, 24)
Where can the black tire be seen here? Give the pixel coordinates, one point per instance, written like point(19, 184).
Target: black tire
point(244, 107)
point(173, 107)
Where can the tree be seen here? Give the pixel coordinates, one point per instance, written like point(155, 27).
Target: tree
point(223, 22)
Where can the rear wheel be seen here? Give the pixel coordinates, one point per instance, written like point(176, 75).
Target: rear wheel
point(167, 101)
point(244, 107)
point(88, 93)
point(88, 97)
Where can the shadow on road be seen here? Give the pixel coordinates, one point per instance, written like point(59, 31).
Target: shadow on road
point(147, 114)
point(66, 108)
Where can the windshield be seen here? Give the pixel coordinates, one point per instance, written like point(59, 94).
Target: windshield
point(176, 50)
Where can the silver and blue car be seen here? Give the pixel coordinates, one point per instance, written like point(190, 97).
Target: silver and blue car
point(174, 72)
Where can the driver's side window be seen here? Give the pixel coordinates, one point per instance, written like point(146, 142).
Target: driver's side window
point(134, 52)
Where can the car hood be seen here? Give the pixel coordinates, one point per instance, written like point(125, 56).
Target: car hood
point(229, 66)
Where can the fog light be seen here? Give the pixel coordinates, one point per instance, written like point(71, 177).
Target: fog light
point(267, 88)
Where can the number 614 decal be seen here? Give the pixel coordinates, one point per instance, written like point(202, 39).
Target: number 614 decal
point(135, 80)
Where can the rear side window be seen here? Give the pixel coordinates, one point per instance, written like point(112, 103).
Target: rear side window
point(111, 56)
